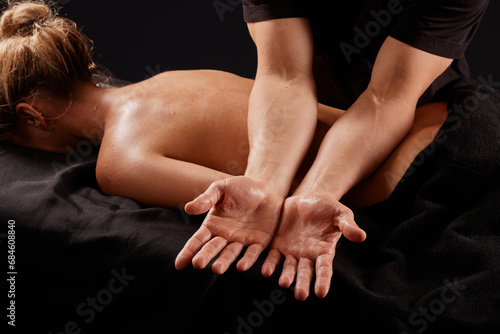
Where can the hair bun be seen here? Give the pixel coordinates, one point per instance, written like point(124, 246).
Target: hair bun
point(22, 18)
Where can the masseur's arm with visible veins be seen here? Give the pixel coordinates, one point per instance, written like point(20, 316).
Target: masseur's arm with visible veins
point(245, 211)
point(281, 123)
point(354, 147)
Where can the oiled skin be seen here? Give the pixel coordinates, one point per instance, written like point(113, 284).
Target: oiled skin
point(168, 138)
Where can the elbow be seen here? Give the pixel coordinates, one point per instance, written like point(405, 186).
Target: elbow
point(397, 107)
point(386, 117)
point(399, 98)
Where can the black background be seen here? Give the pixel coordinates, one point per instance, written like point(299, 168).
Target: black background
point(62, 266)
point(137, 39)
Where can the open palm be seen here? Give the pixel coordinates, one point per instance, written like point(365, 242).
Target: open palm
point(241, 213)
point(310, 228)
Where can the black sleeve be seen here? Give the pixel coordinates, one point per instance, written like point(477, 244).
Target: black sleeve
point(262, 10)
point(441, 27)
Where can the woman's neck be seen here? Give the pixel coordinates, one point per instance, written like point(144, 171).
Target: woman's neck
point(83, 117)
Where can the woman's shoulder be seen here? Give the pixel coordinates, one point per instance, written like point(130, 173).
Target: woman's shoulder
point(200, 77)
point(117, 159)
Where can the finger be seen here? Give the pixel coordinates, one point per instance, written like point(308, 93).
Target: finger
point(271, 262)
point(350, 229)
point(251, 255)
point(304, 277)
point(226, 258)
point(192, 246)
point(288, 273)
point(208, 252)
point(324, 272)
point(205, 201)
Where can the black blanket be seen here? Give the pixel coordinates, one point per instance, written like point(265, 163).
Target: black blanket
point(90, 263)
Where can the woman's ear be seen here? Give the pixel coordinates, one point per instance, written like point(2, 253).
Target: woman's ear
point(32, 115)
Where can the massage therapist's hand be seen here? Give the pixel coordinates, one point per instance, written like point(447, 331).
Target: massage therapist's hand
point(242, 212)
point(311, 225)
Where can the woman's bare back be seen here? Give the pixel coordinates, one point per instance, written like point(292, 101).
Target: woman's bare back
point(193, 116)
point(172, 125)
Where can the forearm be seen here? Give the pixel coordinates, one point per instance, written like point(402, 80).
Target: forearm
point(368, 132)
point(358, 143)
point(283, 104)
point(282, 119)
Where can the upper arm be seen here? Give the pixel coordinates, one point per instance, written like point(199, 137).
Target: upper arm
point(423, 43)
point(284, 46)
point(402, 72)
point(155, 180)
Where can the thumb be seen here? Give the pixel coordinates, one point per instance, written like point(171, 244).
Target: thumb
point(204, 202)
point(351, 230)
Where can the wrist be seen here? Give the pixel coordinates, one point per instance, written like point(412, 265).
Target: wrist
point(317, 186)
point(269, 177)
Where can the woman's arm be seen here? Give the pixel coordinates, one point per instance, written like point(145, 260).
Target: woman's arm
point(153, 179)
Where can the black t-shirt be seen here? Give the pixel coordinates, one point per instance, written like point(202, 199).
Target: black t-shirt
point(349, 36)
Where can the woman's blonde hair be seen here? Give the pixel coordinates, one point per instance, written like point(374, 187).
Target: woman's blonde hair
point(41, 53)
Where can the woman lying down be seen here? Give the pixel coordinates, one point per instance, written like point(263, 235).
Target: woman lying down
point(165, 140)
